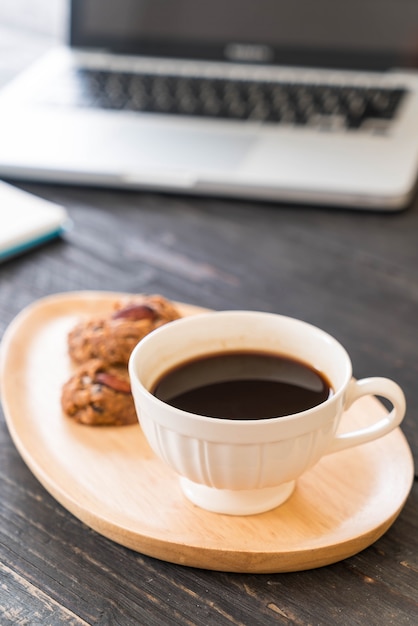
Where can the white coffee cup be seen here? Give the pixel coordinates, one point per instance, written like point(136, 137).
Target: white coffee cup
point(243, 467)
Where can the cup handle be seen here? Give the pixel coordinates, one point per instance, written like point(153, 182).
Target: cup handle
point(383, 387)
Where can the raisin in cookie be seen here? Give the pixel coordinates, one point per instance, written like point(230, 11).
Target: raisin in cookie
point(112, 338)
point(99, 395)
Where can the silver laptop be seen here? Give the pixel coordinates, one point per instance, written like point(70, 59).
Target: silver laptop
point(307, 102)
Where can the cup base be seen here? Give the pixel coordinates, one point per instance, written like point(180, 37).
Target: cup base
point(236, 502)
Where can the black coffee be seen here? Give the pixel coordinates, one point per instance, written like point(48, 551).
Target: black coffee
point(243, 385)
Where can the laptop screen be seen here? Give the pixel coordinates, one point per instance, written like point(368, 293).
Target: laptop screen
point(369, 34)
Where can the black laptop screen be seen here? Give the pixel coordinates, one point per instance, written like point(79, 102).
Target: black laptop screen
point(372, 34)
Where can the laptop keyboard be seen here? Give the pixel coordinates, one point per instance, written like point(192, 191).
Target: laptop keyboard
point(329, 106)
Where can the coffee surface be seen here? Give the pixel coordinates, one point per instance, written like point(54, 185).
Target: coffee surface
point(243, 385)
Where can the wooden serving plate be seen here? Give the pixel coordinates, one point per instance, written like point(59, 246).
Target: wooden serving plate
point(110, 479)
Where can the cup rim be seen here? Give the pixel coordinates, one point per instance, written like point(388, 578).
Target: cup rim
point(171, 327)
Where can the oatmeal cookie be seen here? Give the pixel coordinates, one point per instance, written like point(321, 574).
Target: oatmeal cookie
point(99, 395)
point(112, 338)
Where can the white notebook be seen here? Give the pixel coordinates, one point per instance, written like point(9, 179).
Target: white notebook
point(27, 221)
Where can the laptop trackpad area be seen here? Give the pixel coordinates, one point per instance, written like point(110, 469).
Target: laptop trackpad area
point(189, 149)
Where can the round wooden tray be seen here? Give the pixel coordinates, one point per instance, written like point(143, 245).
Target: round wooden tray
point(110, 479)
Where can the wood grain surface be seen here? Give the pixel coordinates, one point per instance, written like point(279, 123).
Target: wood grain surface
point(352, 274)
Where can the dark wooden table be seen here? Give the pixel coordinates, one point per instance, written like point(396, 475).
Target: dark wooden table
point(352, 273)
